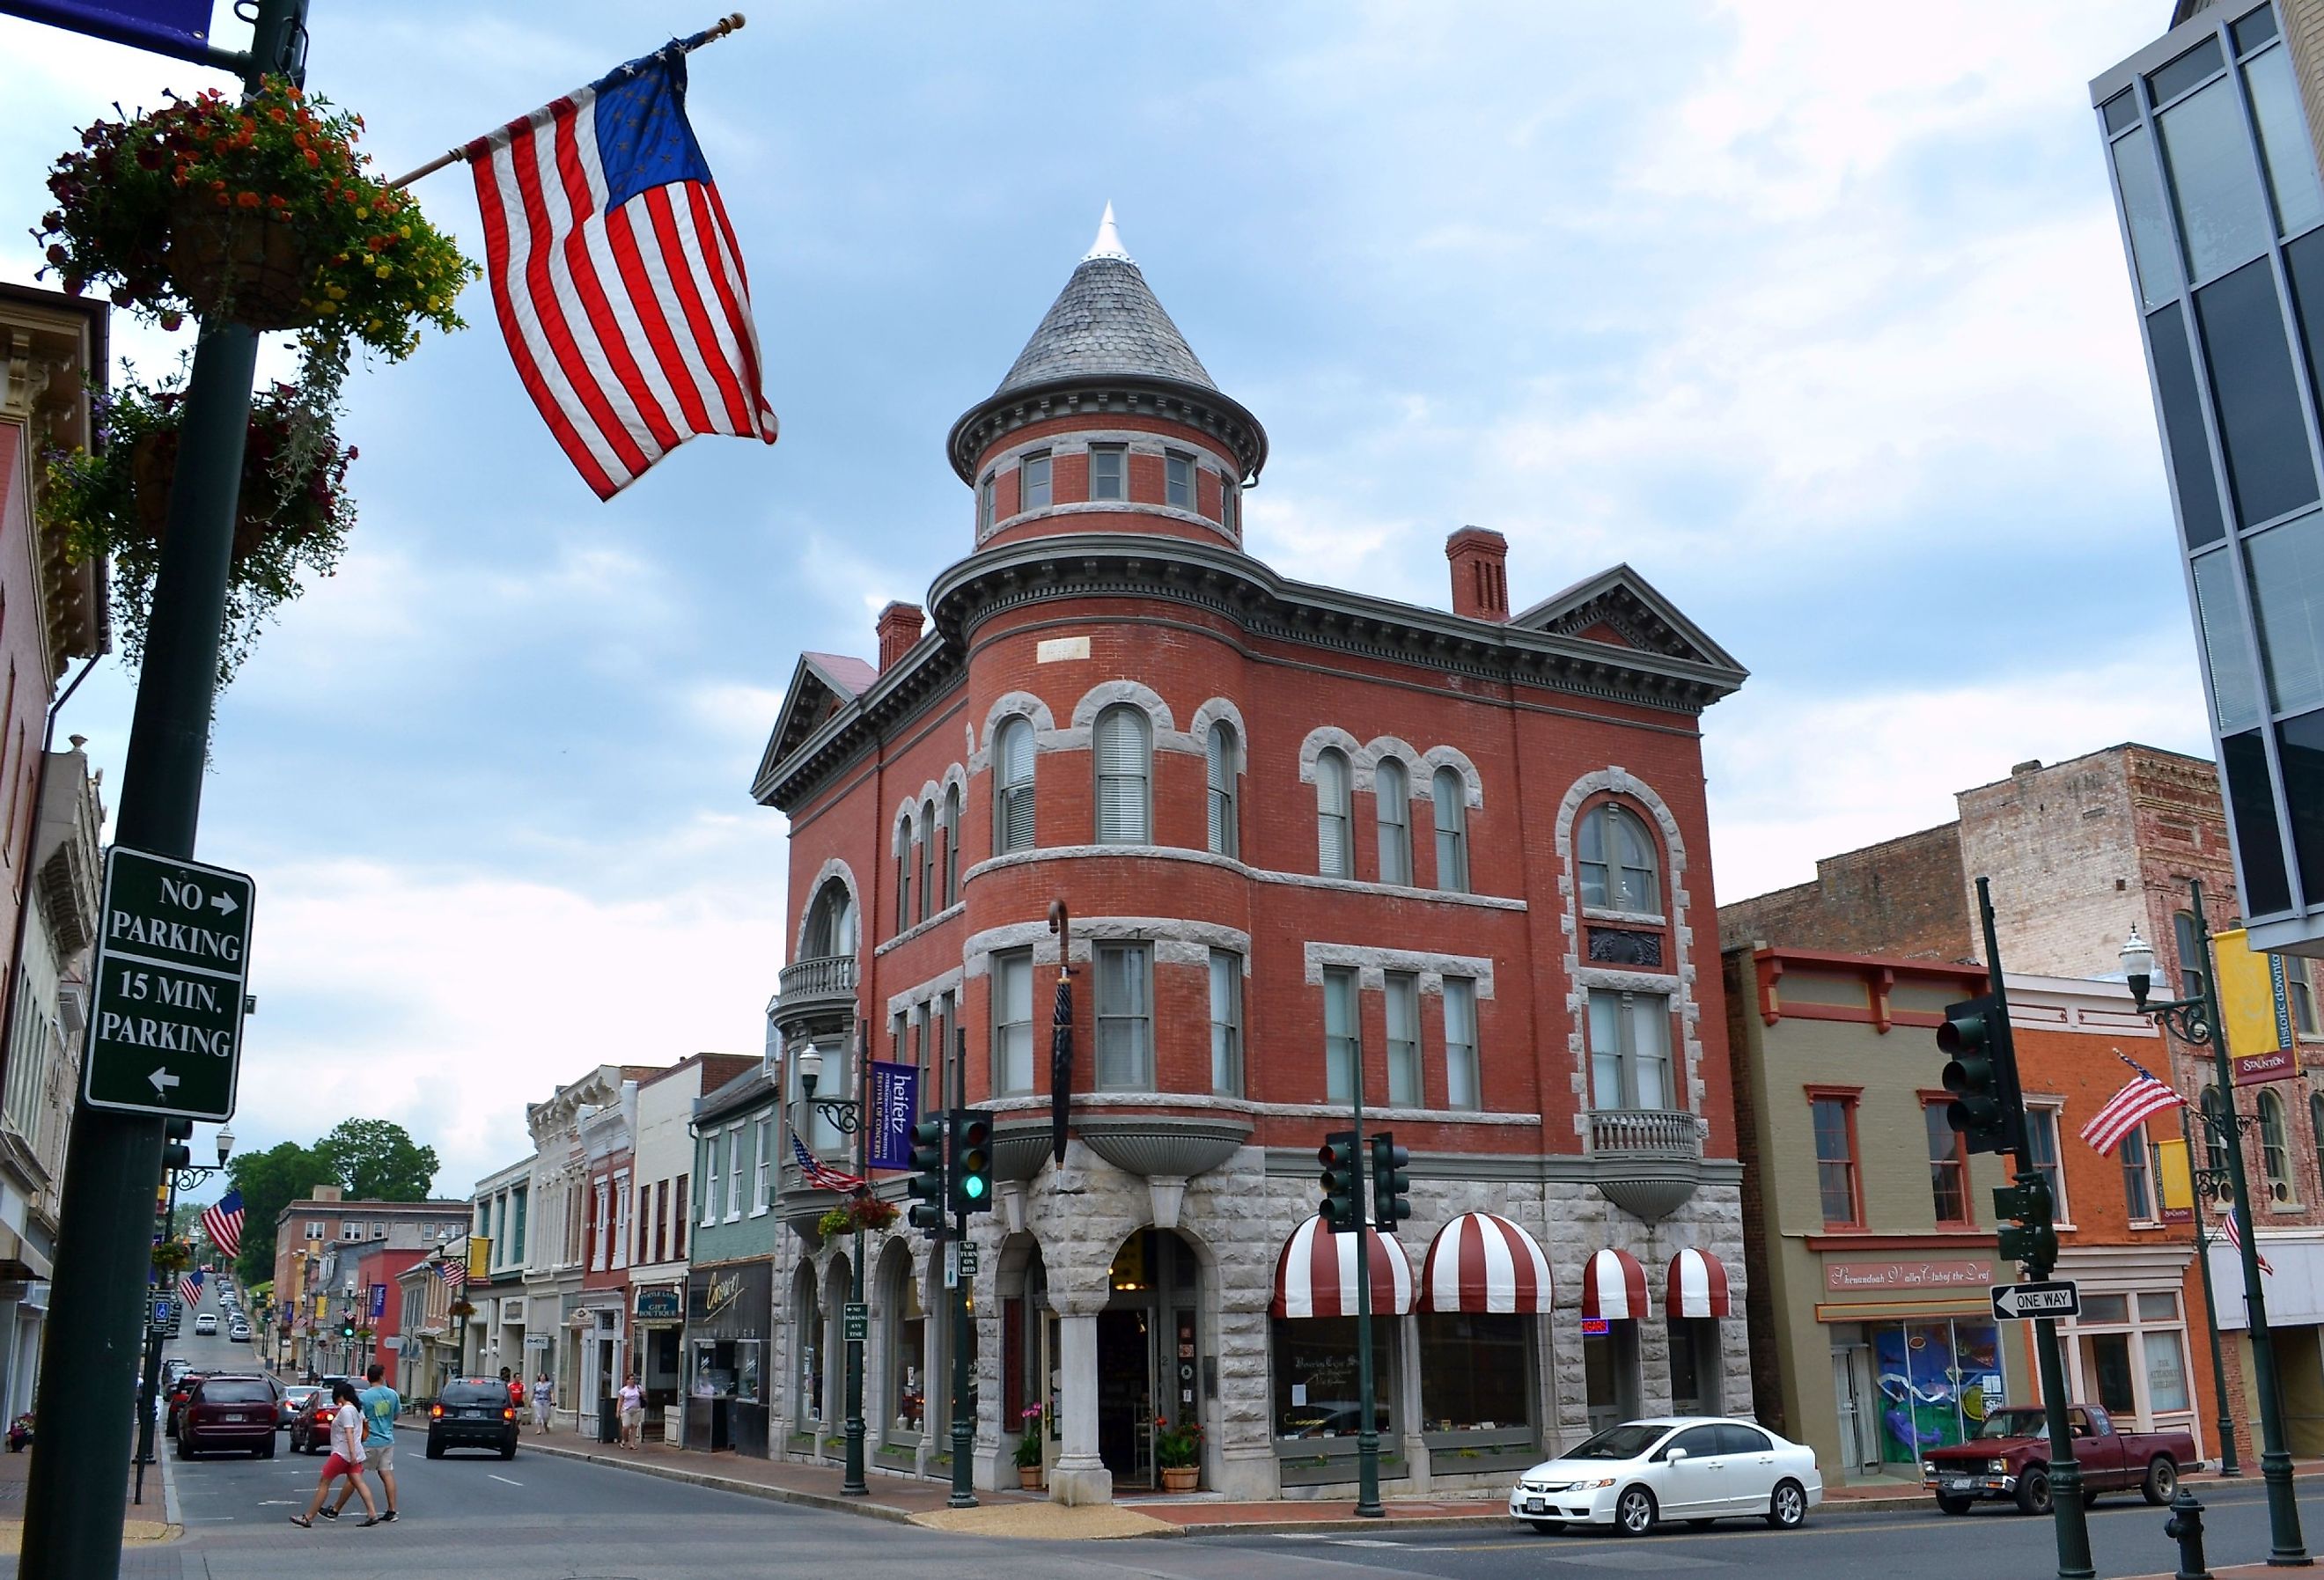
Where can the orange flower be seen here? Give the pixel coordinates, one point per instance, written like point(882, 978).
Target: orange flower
point(313, 159)
point(247, 200)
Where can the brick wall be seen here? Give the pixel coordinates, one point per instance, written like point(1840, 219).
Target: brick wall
point(1899, 898)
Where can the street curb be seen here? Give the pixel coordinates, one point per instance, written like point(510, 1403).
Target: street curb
point(760, 1489)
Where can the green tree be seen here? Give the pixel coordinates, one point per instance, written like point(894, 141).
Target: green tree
point(377, 1160)
point(269, 1182)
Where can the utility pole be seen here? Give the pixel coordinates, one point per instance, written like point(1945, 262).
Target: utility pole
point(963, 1423)
point(75, 1499)
point(1367, 1498)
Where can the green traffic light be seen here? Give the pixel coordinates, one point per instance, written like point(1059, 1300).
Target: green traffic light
point(973, 1187)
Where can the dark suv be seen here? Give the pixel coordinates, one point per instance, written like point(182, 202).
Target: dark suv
point(474, 1412)
point(228, 1411)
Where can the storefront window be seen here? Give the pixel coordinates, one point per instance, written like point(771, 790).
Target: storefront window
point(907, 1399)
point(1609, 1370)
point(1473, 1376)
point(2130, 1353)
point(1315, 1393)
point(2166, 1372)
point(1694, 1365)
point(1937, 1379)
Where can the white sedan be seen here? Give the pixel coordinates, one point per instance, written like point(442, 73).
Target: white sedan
point(1693, 1468)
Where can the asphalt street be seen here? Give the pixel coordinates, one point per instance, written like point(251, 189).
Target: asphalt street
point(538, 1516)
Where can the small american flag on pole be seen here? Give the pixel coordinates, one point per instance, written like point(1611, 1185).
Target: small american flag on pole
point(455, 1274)
point(2231, 1224)
point(617, 276)
point(2127, 1110)
point(189, 1288)
point(820, 1174)
point(222, 1222)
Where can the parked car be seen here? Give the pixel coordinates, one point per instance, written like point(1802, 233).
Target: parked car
point(205, 1323)
point(297, 1400)
point(174, 1400)
point(473, 1412)
point(238, 1331)
point(228, 1410)
point(2009, 1457)
point(1693, 1468)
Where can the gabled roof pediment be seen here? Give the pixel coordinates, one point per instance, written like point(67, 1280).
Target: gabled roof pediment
point(1618, 608)
point(821, 685)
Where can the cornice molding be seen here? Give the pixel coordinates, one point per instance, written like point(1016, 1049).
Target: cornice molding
point(1205, 411)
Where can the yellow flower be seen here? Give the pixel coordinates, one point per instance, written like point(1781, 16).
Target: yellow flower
point(383, 271)
point(404, 231)
point(362, 213)
point(329, 307)
point(338, 293)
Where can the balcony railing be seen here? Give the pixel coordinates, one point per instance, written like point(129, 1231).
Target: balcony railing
point(826, 982)
point(1662, 1132)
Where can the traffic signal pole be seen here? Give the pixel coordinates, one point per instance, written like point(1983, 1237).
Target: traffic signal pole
point(1367, 1498)
point(963, 1423)
point(75, 1500)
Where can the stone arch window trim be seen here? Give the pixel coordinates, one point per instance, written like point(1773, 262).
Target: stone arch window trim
point(1453, 758)
point(1176, 942)
point(1371, 965)
point(1595, 807)
point(1014, 705)
point(923, 994)
point(1679, 982)
point(1319, 739)
point(1160, 722)
point(1219, 710)
point(1379, 750)
point(833, 867)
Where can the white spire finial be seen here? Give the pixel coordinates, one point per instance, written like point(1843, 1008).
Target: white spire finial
point(1109, 241)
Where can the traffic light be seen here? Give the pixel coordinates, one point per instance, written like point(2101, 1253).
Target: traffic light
point(1389, 1182)
point(1338, 1208)
point(2031, 1241)
point(1982, 1076)
point(175, 1134)
point(972, 1160)
point(926, 1188)
point(346, 1327)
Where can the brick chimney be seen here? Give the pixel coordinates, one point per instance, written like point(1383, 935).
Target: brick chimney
point(1480, 573)
point(899, 628)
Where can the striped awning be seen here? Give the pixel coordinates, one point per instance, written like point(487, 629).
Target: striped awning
point(1613, 1285)
point(1482, 1262)
point(1697, 1286)
point(1315, 1276)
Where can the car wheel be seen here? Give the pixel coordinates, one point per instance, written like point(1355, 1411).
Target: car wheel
point(266, 1449)
point(1633, 1511)
point(509, 1451)
point(1947, 1504)
point(2162, 1480)
point(1547, 1526)
point(2033, 1492)
point(2089, 1500)
point(185, 1451)
point(1787, 1506)
point(435, 1449)
point(1700, 1524)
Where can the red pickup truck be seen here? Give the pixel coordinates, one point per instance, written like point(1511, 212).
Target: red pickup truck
point(2009, 1457)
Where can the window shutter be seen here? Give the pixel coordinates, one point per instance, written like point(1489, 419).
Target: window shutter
point(1122, 764)
point(1218, 755)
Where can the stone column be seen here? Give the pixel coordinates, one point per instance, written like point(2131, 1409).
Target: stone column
point(1079, 1475)
point(1415, 1451)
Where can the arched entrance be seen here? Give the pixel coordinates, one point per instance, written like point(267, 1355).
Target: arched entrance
point(1150, 1349)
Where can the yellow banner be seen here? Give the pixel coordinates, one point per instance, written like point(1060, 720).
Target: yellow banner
point(2171, 1168)
point(480, 1259)
point(2254, 1000)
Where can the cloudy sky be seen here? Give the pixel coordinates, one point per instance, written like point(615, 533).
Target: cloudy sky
point(1814, 314)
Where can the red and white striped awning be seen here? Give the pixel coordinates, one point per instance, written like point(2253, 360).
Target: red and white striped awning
point(1613, 1285)
point(1481, 1262)
point(1697, 1286)
point(1315, 1276)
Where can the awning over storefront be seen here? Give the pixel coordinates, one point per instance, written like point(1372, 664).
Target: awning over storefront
point(1482, 1262)
point(1613, 1285)
point(1315, 1276)
point(1697, 1286)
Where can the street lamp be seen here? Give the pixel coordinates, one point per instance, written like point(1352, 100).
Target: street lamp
point(846, 1116)
point(2196, 1021)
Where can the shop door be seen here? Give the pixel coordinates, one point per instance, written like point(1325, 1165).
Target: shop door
point(1125, 1394)
point(1851, 1385)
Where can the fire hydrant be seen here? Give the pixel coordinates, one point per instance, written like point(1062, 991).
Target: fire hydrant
point(2185, 1527)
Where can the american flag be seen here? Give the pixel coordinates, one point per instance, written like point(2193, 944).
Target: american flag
point(189, 1288)
point(820, 1174)
point(455, 1274)
point(2230, 1225)
point(617, 276)
point(2129, 1108)
point(222, 1222)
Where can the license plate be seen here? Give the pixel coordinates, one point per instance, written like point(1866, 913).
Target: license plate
point(1961, 1483)
point(1535, 1506)
point(472, 1415)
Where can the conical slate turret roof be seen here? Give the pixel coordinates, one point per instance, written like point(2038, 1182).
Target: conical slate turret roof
point(1106, 324)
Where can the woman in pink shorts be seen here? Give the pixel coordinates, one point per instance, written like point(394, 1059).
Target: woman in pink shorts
point(346, 1458)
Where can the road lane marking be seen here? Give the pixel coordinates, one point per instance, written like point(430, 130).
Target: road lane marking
point(504, 1480)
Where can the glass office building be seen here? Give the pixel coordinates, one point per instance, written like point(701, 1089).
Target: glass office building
point(2216, 183)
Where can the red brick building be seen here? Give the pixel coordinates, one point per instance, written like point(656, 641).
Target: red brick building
point(1299, 831)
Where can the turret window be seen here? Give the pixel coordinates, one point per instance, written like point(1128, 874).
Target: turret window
point(1230, 507)
point(1013, 795)
point(1334, 858)
point(984, 498)
point(1124, 753)
point(1219, 765)
point(1177, 480)
point(1033, 483)
point(1109, 471)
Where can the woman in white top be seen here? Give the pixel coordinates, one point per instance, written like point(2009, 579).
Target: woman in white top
point(633, 1411)
point(346, 1457)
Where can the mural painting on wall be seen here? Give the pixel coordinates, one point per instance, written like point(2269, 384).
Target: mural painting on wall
point(1937, 1381)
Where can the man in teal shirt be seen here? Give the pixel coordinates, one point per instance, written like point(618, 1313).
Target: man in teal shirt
point(380, 1405)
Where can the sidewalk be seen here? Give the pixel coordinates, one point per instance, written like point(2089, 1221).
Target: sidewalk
point(1011, 1512)
point(147, 1522)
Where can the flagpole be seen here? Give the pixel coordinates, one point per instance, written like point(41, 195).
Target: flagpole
point(731, 22)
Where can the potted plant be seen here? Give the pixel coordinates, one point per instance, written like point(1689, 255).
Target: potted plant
point(1178, 1454)
point(172, 1257)
point(113, 503)
point(1029, 1448)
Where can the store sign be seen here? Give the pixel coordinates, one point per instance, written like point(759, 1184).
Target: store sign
point(661, 1303)
point(2253, 1069)
point(1596, 1327)
point(1906, 1275)
point(895, 1105)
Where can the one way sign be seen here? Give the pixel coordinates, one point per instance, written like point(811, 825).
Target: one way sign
point(2018, 1302)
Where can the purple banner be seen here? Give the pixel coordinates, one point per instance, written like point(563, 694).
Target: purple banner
point(182, 28)
point(379, 1300)
point(895, 1105)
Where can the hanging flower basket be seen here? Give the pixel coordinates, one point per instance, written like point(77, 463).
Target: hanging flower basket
point(461, 1309)
point(172, 1257)
point(860, 1210)
point(113, 503)
point(232, 262)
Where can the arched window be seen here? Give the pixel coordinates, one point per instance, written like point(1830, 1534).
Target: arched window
point(830, 923)
point(1334, 856)
point(1392, 804)
point(2191, 954)
point(1219, 755)
point(905, 841)
point(1123, 745)
point(951, 845)
point(2214, 1129)
point(1012, 793)
point(1617, 862)
point(927, 842)
point(2274, 1146)
point(1449, 792)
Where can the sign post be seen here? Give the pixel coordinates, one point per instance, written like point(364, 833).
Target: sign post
point(172, 964)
